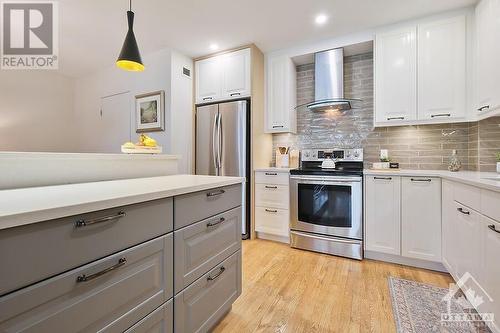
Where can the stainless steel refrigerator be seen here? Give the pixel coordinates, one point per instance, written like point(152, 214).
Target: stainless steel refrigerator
point(222, 146)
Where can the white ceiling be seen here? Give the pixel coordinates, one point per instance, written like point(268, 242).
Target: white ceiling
point(92, 31)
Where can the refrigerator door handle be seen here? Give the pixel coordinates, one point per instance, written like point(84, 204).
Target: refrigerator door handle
point(220, 138)
point(214, 142)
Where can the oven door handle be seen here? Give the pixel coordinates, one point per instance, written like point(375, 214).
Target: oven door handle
point(327, 179)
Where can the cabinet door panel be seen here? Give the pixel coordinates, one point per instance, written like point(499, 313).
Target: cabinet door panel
point(272, 221)
point(449, 232)
point(208, 79)
point(395, 76)
point(468, 230)
point(199, 247)
point(490, 278)
point(442, 69)
point(421, 218)
point(487, 56)
point(382, 214)
point(280, 95)
point(201, 305)
point(236, 68)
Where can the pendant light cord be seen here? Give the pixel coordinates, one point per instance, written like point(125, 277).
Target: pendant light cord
point(130, 5)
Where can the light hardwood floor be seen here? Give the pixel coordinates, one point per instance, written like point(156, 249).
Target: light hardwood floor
point(289, 290)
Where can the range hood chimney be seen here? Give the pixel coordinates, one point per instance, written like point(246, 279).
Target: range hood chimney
point(329, 82)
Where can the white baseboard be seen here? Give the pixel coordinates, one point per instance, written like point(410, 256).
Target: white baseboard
point(435, 266)
point(276, 238)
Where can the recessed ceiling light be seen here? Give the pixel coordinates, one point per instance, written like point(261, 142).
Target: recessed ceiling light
point(321, 19)
point(214, 47)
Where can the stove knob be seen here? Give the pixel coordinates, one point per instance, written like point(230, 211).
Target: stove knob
point(356, 154)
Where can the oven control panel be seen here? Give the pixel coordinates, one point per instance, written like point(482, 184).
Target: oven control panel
point(354, 155)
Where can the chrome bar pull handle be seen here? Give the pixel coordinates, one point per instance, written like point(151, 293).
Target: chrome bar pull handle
point(83, 223)
point(383, 178)
point(484, 107)
point(271, 187)
point(421, 180)
point(465, 212)
point(271, 174)
point(441, 115)
point(278, 126)
point(271, 210)
point(492, 227)
point(235, 94)
point(396, 118)
point(215, 193)
point(213, 224)
point(221, 270)
point(214, 144)
point(86, 278)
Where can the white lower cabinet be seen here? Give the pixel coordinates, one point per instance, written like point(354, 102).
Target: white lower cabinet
point(272, 221)
point(421, 218)
point(467, 225)
point(471, 244)
point(382, 210)
point(272, 204)
point(490, 277)
point(403, 216)
point(449, 236)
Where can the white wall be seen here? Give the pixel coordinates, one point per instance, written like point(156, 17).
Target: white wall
point(36, 111)
point(181, 115)
point(163, 72)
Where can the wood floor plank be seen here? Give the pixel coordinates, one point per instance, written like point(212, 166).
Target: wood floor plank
point(295, 291)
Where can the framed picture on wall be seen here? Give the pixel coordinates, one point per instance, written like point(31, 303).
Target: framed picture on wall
point(150, 112)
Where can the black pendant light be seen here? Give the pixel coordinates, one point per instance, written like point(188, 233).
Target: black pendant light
point(130, 57)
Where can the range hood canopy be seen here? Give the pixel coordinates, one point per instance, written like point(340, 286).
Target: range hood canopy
point(329, 82)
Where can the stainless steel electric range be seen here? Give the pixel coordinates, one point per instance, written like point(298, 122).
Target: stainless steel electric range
point(326, 200)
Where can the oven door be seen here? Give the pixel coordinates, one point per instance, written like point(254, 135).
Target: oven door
point(327, 205)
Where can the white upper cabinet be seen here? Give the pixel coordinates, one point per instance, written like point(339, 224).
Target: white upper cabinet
point(421, 73)
point(421, 218)
point(442, 69)
point(487, 57)
point(281, 78)
point(396, 76)
point(236, 69)
point(223, 77)
point(208, 80)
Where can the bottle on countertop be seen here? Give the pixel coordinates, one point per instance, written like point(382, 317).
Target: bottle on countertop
point(454, 164)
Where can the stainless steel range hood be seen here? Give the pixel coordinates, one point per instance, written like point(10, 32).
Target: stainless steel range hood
point(329, 82)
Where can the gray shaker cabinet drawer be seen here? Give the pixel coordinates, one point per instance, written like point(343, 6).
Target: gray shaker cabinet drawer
point(194, 207)
point(38, 251)
point(160, 320)
point(109, 295)
point(201, 305)
point(201, 246)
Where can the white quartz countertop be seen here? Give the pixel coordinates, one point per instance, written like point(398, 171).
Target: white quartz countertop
point(474, 178)
point(35, 204)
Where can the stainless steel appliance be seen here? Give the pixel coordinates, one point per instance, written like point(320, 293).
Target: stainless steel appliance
point(222, 145)
point(326, 213)
point(329, 82)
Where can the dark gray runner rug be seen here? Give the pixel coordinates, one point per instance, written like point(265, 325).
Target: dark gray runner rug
point(418, 307)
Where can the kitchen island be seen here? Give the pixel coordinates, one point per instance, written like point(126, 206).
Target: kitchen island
point(99, 256)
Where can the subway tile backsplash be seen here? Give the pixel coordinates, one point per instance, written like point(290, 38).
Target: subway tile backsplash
point(414, 147)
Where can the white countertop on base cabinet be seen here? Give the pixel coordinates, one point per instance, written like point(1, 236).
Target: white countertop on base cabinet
point(35, 204)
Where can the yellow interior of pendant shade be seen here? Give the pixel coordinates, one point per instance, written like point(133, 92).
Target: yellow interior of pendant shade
point(129, 65)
